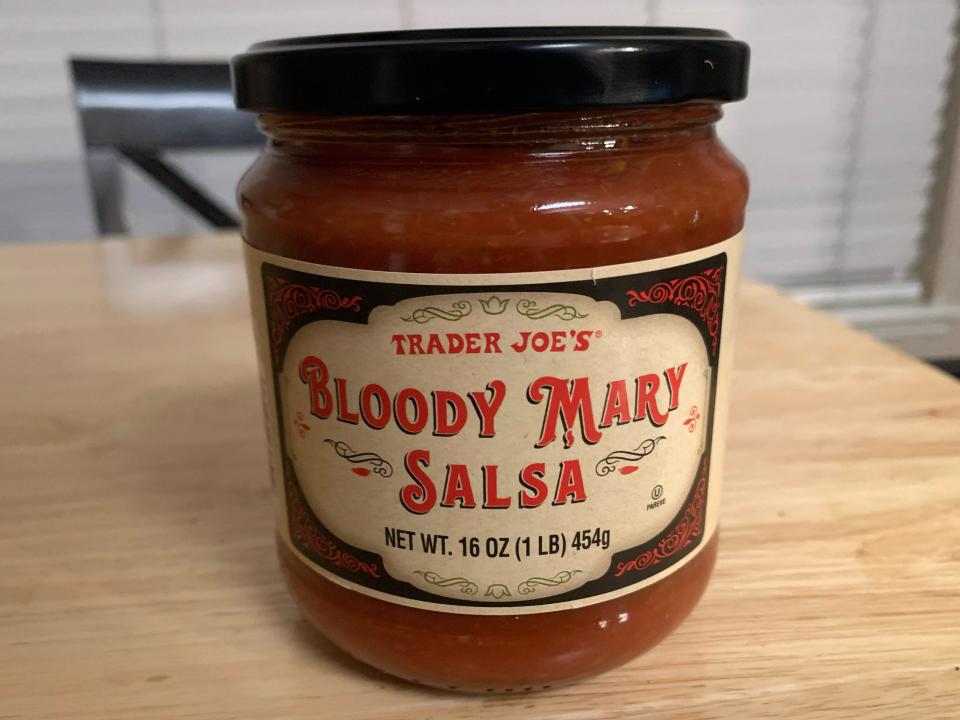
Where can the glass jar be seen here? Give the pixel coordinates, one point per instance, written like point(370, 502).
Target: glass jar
point(493, 281)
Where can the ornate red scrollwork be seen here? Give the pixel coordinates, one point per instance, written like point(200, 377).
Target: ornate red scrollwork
point(680, 536)
point(701, 293)
point(306, 534)
point(286, 301)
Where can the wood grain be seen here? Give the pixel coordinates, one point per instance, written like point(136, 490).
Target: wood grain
point(138, 573)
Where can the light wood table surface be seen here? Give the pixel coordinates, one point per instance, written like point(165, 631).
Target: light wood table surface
point(137, 568)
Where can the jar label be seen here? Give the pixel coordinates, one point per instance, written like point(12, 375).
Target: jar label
point(500, 443)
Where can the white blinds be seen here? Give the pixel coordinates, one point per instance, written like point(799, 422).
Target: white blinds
point(839, 132)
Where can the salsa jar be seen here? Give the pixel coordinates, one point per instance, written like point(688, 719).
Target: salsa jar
point(493, 278)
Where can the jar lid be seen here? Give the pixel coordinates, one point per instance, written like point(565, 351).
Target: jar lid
point(490, 70)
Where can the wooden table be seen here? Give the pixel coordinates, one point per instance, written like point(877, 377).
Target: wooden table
point(138, 572)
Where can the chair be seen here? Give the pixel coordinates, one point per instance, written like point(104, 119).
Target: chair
point(136, 110)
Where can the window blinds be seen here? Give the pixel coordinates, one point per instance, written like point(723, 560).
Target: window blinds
point(839, 133)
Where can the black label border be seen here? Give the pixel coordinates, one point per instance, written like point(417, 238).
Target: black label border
point(676, 290)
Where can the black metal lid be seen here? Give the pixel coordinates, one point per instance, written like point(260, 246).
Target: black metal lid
point(490, 70)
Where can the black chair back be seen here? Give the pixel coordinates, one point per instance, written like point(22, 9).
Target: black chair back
point(137, 110)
